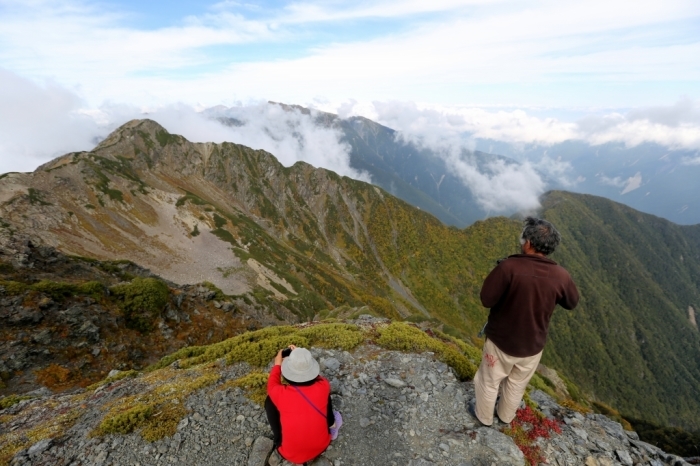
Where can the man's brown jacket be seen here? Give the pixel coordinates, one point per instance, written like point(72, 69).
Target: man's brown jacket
point(522, 292)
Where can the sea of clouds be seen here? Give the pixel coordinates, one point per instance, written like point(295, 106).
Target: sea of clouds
point(41, 121)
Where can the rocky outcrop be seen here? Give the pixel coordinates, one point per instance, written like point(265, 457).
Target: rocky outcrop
point(55, 335)
point(398, 408)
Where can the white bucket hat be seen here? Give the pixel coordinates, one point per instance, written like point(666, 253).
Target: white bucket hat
point(300, 366)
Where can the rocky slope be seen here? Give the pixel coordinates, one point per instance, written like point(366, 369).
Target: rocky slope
point(61, 327)
point(400, 408)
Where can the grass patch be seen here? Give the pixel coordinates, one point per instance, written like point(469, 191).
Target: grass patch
point(56, 290)
point(125, 422)
point(612, 413)
point(542, 383)
point(254, 384)
point(401, 336)
point(259, 347)
point(158, 409)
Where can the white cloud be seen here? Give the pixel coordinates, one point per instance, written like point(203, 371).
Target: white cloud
point(633, 182)
point(522, 128)
point(497, 185)
point(38, 123)
point(691, 160)
point(290, 135)
point(617, 182)
point(501, 186)
point(489, 52)
point(627, 185)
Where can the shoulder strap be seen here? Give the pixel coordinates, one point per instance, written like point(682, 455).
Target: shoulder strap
point(309, 401)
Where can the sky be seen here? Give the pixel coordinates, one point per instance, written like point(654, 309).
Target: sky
point(527, 71)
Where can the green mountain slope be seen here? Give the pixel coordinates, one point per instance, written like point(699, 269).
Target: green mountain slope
point(630, 342)
point(303, 243)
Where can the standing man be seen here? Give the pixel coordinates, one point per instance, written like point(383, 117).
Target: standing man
point(521, 292)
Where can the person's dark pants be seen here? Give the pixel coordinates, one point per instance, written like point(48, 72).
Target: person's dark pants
point(273, 417)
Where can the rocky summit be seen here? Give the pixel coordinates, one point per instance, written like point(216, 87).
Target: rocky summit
point(399, 408)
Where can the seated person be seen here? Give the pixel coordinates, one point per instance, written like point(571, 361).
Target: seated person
point(301, 413)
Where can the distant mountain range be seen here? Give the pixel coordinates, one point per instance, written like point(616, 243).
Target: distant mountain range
point(648, 177)
point(301, 243)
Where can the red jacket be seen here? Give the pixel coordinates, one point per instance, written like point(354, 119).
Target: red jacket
point(304, 430)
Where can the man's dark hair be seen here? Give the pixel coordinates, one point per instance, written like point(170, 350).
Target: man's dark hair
point(541, 234)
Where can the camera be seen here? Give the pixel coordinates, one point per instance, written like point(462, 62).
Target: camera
point(286, 352)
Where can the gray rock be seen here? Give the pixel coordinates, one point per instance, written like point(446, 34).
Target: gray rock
point(395, 383)
point(364, 422)
point(275, 459)
point(505, 451)
point(331, 364)
point(40, 447)
point(624, 457)
point(90, 331)
point(321, 461)
point(43, 337)
point(260, 451)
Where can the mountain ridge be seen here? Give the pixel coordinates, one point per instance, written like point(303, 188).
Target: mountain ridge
point(305, 243)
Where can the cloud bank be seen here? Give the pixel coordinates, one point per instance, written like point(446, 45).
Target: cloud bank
point(676, 126)
point(40, 122)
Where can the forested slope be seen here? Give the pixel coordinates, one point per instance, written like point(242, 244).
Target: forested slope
point(630, 341)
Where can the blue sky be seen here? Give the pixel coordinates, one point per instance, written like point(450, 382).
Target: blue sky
point(612, 53)
point(522, 70)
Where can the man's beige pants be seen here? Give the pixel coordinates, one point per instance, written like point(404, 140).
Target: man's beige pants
point(511, 374)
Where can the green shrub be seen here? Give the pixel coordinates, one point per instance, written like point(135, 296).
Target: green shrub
point(574, 391)
point(127, 421)
point(472, 352)
point(544, 384)
point(14, 288)
point(404, 337)
point(220, 296)
point(92, 288)
point(142, 301)
point(219, 221)
point(333, 335)
point(260, 347)
point(12, 400)
point(57, 291)
point(195, 231)
point(255, 385)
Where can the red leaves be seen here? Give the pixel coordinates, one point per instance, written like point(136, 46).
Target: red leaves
point(528, 427)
